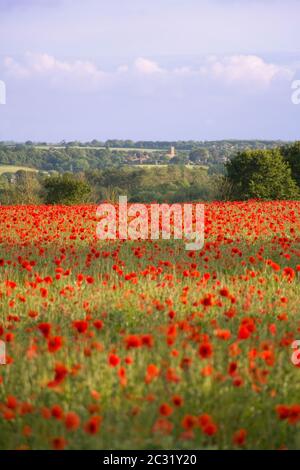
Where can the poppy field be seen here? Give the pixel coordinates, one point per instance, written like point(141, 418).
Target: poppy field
point(144, 345)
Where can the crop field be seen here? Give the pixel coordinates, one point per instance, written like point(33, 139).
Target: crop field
point(144, 345)
point(14, 169)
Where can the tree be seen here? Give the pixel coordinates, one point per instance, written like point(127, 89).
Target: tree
point(199, 155)
point(66, 189)
point(262, 174)
point(291, 154)
point(27, 187)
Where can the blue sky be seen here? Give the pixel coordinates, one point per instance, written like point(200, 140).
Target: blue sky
point(140, 69)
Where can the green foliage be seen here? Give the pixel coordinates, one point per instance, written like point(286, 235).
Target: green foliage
point(61, 159)
point(200, 155)
point(291, 154)
point(66, 189)
point(142, 171)
point(22, 187)
point(173, 183)
point(262, 174)
point(77, 156)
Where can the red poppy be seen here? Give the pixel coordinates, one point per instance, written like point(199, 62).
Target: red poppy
point(59, 443)
point(54, 344)
point(205, 350)
point(133, 341)
point(57, 412)
point(165, 409)
point(45, 329)
point(80, 325)
point(92, 426)
point(60, 374)
point(72, 421)
point(113, 360)
point(239, 437)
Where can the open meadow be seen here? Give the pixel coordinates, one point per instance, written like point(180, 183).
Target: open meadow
point(14, 169)
point(144, 345)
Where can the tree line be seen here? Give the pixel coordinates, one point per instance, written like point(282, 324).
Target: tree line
point(76, 157)
point(252, 173)
point(173, 183)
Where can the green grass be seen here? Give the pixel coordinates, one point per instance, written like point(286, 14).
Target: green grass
point(14, 169)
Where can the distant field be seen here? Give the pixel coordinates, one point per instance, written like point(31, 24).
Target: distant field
point(14, 169)
point(190, 167)
point(133, 149)
point(89, 147)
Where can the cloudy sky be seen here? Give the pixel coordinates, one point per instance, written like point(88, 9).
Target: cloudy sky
point(141, 69)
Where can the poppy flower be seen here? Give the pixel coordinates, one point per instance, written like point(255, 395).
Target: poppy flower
point(205, 350)
point(92, 426)
point(57, 412)
point(80, 325)
point(165, 409)
point(177, 400)
point(163, 426)
point(189, 422)
point(113, 360)
point(239, 437)
point(60, 374)
point(45, 329)
point(210, 429)
point(98, 324)
point(54, 344)
point(72, 421)
point(59, 443)
point(11, 402)
point(133, 341)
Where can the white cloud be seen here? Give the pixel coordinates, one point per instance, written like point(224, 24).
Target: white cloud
point(86, 76)
point(15, 69)
point(147, 67)
point(184, 71)
point(79, 73)
point(229, 69)
point(246, 68)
